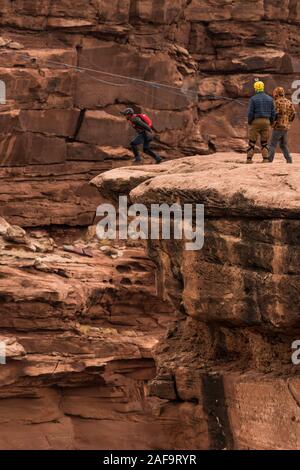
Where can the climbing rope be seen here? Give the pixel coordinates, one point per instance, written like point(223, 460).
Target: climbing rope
point(217, 97)
point(176, 91)
point(112, 75)
point(104, 82)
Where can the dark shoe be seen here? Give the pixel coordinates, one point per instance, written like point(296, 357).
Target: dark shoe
point(249, 160)
point(158, 160)
point(265, 151)
point(289, 161)
point(266, 160)
point(137, 161)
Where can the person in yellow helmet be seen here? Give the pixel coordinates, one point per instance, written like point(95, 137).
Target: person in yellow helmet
point(259, 86)
point(261, 114)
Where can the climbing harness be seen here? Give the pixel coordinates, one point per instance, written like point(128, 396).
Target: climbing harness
point(251, 150)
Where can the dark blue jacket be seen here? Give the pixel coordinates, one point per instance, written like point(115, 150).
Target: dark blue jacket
point(261, 106)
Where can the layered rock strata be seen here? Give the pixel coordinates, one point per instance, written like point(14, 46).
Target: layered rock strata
point(60, 127)
point(78, 333)
point(229, 357)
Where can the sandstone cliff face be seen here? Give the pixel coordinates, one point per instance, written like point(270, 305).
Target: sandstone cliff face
point(228, 358)
point(80, 332)
point(61, 127)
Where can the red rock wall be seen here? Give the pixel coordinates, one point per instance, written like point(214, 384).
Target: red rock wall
point(228, 360)
point(79, 335)
point(61, 127)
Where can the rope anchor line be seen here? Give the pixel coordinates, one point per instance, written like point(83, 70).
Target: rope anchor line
point(109, 74)
point(191, 94)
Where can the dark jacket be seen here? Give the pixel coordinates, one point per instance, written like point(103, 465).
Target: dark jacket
point(261, 106)
point(139, 125)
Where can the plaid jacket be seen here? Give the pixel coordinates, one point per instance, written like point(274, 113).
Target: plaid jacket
point(285, 113)
point(261, 106)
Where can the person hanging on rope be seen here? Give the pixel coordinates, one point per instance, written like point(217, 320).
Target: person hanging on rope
point(261, 115)
point(144, 127)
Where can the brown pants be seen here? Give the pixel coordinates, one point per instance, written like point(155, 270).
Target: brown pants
point(260, 127)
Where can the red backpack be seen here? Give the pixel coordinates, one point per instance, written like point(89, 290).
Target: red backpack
point(146, 119)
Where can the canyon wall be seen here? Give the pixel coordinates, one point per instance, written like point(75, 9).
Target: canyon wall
point(125, 348)
point(228, 358)
point(60, 127)
point(79, 334)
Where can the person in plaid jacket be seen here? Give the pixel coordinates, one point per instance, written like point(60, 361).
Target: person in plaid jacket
point(285, 115)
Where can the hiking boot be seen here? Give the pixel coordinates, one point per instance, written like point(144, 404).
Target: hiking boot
point(266, 160)
point(249, 160)
point(158, 160)
point(137, 161)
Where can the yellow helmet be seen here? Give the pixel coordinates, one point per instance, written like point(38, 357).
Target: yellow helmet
point(259, 86)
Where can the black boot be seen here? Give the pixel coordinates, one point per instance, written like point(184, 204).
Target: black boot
point(250, 151)
point(137, 157)
point(154, 155)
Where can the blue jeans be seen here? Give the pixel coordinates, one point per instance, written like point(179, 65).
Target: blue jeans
point(281, 138)
point(143, 139)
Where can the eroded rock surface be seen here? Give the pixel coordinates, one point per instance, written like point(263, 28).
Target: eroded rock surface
point(229, 355)
point(59, 127)
point(78, 334)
